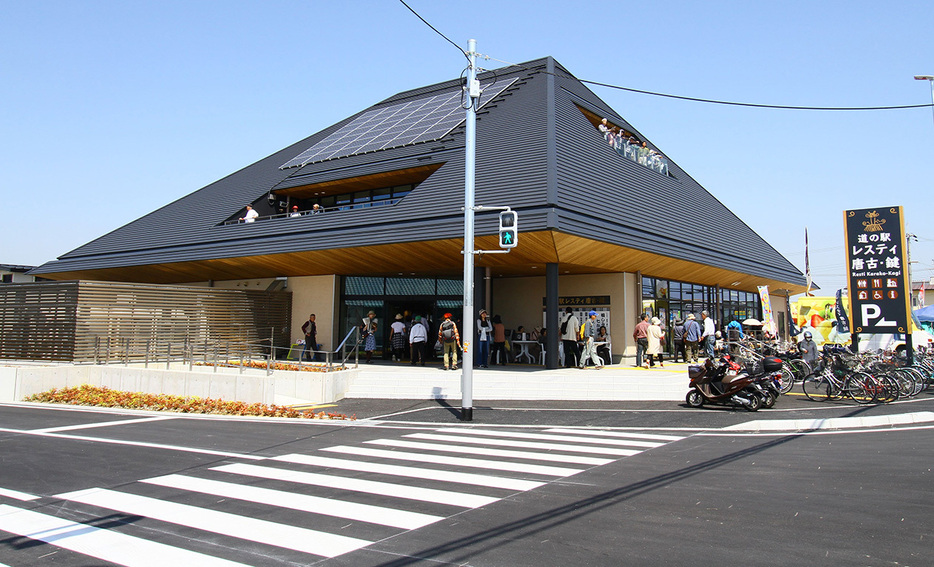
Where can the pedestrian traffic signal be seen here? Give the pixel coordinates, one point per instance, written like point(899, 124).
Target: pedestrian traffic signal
point(508, 229)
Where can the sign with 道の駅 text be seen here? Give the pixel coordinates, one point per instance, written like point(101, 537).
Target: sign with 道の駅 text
point(877, 270)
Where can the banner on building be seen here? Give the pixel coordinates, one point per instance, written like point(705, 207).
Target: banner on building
point(843, 321)
point(769, 323)
point(879, 290)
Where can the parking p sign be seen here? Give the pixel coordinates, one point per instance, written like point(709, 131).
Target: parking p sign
point(877, 270)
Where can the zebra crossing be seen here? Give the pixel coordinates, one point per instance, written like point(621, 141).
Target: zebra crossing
point(301, 507)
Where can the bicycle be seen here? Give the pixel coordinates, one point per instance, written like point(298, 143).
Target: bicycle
point(838, 379)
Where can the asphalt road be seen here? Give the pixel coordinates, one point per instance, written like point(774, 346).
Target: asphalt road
point(523, 484)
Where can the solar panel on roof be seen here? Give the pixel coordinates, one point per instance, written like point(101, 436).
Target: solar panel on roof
point(422, 120)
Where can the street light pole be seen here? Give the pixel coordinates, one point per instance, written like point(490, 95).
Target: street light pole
point(930, 79)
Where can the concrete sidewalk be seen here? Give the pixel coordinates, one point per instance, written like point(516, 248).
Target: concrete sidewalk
point(400, 380)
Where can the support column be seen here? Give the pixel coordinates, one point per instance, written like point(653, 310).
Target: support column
point(551, 316)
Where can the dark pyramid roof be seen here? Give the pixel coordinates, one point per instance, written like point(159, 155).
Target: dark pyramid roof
point(538, 151)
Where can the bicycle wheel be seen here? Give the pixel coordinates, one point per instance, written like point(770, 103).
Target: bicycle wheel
point(817, 388)
point(800, 370)
point(889, 388)
point(861, 387)
point(907, 381)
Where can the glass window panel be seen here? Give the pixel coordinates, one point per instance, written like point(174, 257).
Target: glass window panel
point(410, 286)
point(648, 287)
point(361, 197)
point(355, 285)
point(450, 287)
point(379, 194)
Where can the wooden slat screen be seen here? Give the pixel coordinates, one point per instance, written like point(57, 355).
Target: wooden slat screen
point(80, 320)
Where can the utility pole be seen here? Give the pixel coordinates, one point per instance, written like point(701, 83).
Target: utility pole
point(473, 92)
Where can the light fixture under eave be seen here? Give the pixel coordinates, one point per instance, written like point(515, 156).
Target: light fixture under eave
point(734, 284)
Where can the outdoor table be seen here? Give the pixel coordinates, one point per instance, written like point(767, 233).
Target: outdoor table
point(524, 350)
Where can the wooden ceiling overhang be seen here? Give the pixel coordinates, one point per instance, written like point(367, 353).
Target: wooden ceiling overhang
point(442, 258)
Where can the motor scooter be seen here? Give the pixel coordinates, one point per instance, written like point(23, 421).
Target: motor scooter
point(722, 383)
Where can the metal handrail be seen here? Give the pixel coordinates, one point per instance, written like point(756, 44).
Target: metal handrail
point(216, 353)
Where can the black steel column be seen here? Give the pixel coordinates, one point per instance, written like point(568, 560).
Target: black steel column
point(551, 316)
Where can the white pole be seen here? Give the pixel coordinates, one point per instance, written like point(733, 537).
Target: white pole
point(473, 92)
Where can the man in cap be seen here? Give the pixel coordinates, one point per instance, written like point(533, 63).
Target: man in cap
point(692, 336)
point(450, 341)
point(295, 212)
point(589, 331)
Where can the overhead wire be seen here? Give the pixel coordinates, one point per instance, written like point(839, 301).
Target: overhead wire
point(724, 102)
point(459, 48)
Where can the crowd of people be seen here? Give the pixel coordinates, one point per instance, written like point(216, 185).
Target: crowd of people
point(629, 147)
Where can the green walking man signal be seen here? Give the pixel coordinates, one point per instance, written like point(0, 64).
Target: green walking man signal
point(508, 229)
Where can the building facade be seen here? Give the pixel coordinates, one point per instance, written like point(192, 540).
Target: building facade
point(367, 215)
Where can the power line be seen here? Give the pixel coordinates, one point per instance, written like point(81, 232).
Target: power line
point(755, 105)
point(725, 102)
point(464, 53)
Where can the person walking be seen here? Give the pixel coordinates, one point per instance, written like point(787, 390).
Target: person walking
point(587, 335)
point(640, 336)
point(397, 337)
point(677, 336)
point(369, 327)
point(692, 336)
point(310, 329)
point(450, 341)
point(484, 337)
point(499, 341)
point(655, 335)
point(808, 349)
point(418, 338)
point(709, 336)
point(570, 328)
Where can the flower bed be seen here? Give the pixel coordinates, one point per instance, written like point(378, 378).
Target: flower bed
point(87, 395)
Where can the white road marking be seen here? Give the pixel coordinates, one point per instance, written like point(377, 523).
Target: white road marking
point(454, 438)
point(17, 495)
point(550, 437)
point(135, 444)
point(623, 434)
point(452, 448)
point(459, 499)
point(100, 424)
point(251, 529)
point(832, 423)
point(413, 472)
point(303, 502)
point(456, 461)
point(106, 545)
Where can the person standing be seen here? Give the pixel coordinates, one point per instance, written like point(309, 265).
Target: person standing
point(418, 338)
point(692, 336)
point(484, 336)
point(570, 328)
point(677, 335)
point(450, 341)
point(588, 335)
point(655, 334)
point(808, 350)
point(640, 335)
point(397, 337)
point(310, 329)
point(709, 336)
point(250, 215)
point(499, 341)
point(370, 324)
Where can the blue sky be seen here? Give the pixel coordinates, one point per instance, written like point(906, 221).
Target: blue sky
point(112, 109)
